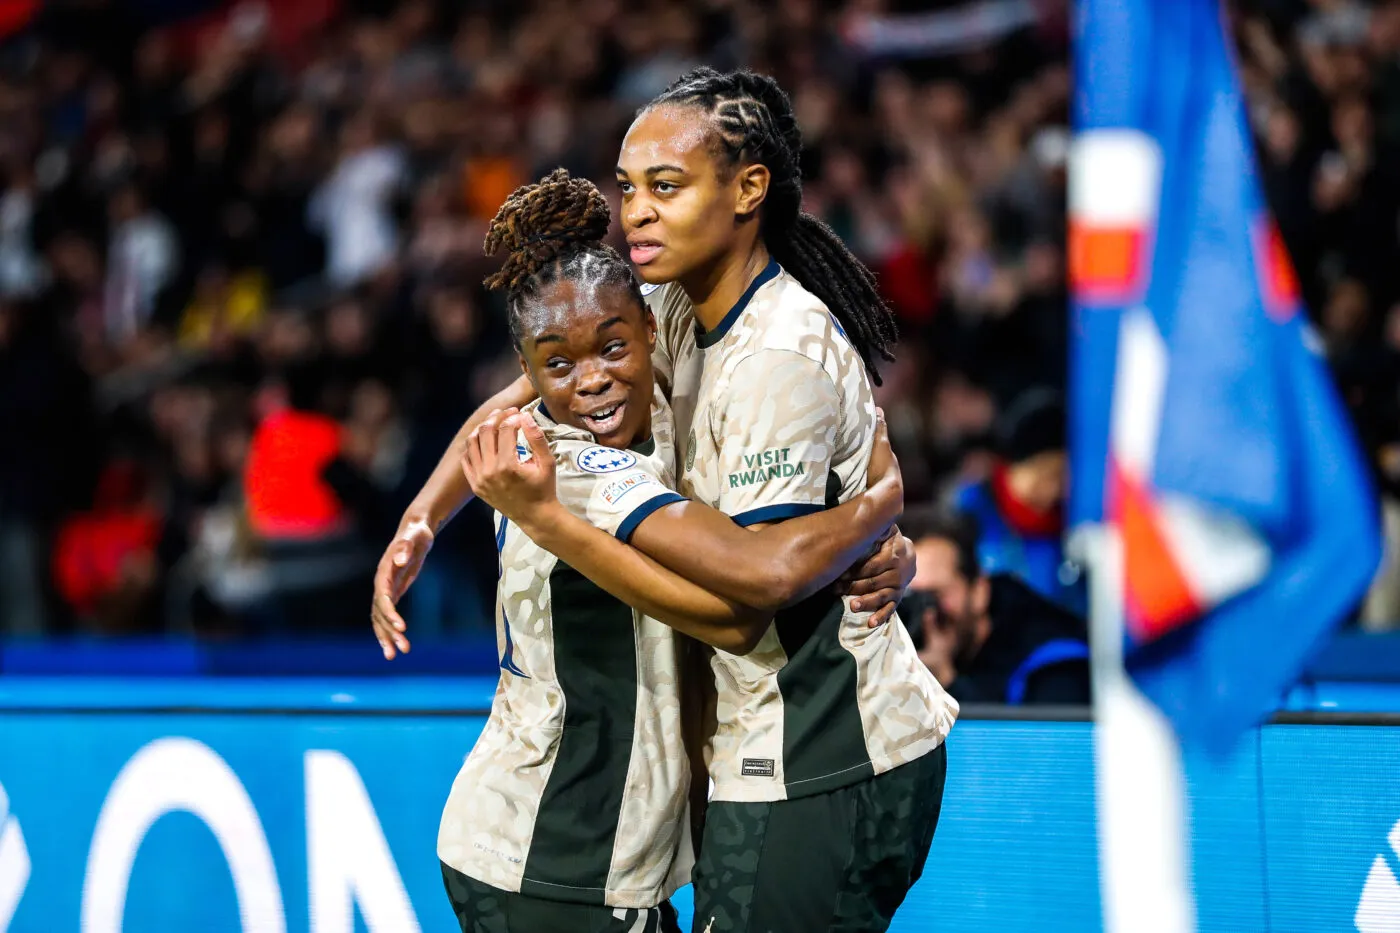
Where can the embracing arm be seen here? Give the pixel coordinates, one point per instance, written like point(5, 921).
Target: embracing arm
point(441, 497)
point(642, 583)
point(782, 563)
point(447, 489)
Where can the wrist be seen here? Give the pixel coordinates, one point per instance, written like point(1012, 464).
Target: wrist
point(417, 517)
point(541, 521)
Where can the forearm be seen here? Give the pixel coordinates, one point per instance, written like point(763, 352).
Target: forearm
point(642, 583)
point(816, 549)
point(447, 489)
point(778, 565)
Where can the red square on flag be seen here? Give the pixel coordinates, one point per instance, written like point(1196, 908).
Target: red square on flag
point(1107, 263)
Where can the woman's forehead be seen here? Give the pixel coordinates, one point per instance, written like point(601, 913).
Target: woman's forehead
point(568, 305)
point(665, 135)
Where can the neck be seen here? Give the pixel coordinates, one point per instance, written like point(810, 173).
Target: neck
point(715, 291)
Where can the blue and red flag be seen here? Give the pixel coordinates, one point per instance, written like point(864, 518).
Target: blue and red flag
point(1206, 435)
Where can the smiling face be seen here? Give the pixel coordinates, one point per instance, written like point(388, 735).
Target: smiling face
point(682, 208)
point(587, 350)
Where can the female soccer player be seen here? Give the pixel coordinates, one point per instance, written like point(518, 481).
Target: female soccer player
point(828, 758)
point(569, 812)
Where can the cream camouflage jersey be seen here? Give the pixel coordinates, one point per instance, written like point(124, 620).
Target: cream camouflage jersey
point(775, 418)
point(577, 788)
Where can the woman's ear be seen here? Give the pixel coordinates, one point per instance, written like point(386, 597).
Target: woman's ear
point(651, 329)
point(752, 184)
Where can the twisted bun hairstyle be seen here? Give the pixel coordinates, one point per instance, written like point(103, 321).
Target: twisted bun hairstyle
point(553, 230)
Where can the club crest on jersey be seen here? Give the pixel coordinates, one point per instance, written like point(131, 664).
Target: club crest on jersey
point(690, 452)
point(604, 460)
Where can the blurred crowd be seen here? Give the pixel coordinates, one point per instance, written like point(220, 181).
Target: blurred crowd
point(1322, 81)
point(240, 266)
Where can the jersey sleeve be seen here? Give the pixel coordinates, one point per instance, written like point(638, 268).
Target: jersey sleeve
point(777, 433)
point(615, 490)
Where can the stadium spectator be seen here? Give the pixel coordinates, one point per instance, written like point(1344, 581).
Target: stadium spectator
point(192, 207)
point(1020, 507)
point(988, 638)
point(1323, 91)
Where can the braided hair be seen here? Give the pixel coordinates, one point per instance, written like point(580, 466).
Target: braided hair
point(754, 123)
point(553, 230)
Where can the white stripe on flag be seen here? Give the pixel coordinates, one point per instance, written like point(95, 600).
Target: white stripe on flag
point(1218, 553)
point(1139, 380)
point(1115, 178)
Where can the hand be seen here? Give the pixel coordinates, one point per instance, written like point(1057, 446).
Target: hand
point(880, 582)
point(398, 568)
point(516, 488)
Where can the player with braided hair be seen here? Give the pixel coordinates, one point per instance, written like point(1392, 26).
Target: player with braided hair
point(828, 757)
point(569, 814)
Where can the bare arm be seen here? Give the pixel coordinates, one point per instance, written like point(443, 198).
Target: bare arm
point(447, 489)
point(492, 465)
point(441, 497)
point(778, 564)
point(643, 584)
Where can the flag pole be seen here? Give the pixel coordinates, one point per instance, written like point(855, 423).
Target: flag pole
point(1144, 858)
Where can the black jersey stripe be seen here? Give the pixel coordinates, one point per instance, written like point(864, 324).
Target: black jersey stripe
point(823, 736)
point(595, 659)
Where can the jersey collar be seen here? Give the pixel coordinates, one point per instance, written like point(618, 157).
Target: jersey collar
point(646, 448)
point(705, 339)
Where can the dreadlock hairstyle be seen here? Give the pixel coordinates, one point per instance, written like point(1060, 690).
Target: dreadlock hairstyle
point(754, 123)
point(553, 230)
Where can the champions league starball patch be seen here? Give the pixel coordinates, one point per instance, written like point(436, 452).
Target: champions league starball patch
point(604, 460)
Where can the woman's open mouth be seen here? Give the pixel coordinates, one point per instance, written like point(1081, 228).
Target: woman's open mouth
point(605, 420)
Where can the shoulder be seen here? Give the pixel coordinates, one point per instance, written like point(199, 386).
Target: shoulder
point(785, 319)
point(667, 301)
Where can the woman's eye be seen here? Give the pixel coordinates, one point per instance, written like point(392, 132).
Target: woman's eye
point(615, 347)
point(625, 187)
point(556, 364)
point(664, 187)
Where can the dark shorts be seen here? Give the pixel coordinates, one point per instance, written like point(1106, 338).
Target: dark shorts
point(481, 908)
point(840, 861)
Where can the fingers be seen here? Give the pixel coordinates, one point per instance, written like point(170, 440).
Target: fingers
point(886, 597)
point(882, 615)
point(506, 442)
point(471, 459)
point(388, 626)
point(487, 435)
point(534, 436)
point(867, 585)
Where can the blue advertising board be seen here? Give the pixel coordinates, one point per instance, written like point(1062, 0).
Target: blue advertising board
point(313, 806)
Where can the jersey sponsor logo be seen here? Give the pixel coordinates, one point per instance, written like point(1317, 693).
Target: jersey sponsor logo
point(756, 767)
point(604, 460)
point(522, 453)
point(618, 488)
point(765, 465)
point(690, 452)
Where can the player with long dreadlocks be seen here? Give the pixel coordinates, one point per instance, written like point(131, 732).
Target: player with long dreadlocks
point(827, 758)
point(569, 812)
